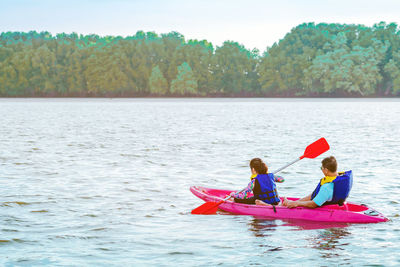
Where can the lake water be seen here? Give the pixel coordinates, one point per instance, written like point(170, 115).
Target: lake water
point(106, 181)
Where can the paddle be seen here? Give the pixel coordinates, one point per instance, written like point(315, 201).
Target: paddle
point(312, 151)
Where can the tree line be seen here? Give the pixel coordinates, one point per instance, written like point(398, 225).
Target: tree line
point(311, 60)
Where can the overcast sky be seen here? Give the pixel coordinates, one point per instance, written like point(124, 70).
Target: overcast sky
point(253, 23)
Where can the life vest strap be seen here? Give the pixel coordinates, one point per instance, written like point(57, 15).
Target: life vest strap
point(275, 192)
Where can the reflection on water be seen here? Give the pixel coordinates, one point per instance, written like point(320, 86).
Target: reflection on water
point(261, 227)
point(260, 224)
point(106, 182)
point(312, 225)
point(328, 240)
point(264, 228)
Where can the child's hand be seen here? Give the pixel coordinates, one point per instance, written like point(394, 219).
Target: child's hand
point(231, 196)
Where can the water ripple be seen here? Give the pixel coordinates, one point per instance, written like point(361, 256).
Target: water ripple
point(107, 182)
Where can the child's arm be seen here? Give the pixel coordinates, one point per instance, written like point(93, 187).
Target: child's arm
point(245, 193)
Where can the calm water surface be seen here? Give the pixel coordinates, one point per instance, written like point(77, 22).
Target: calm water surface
point(106, 181)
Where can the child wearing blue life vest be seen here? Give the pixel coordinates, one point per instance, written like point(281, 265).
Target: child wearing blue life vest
point(261, 187)
point(334, 188)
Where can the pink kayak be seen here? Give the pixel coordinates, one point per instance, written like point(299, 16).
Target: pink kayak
point(348, 213)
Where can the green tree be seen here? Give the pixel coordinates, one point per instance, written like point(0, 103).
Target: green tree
point(346, 70)
point(185, 82)
point(158, 84)
point(281, 68)
point(392, 68)
point(104, 74)
point(234, 69)
point(198, 54)
point(312, 59)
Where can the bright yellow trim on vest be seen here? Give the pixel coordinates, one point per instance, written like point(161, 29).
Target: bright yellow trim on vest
point(327, 179)
point(254, 176)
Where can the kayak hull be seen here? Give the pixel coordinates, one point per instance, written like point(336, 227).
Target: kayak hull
point(348, 213)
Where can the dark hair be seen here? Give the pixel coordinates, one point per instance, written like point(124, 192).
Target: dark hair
point(330, 163)
point(259, 166)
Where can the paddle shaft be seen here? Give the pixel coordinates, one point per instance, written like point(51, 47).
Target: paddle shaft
point(284, 167)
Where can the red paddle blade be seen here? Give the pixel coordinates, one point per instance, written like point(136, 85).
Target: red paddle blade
point(315, 149)
point(207, 208)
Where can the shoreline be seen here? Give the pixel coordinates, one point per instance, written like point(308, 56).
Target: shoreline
point(206, 96)
point(201, 99)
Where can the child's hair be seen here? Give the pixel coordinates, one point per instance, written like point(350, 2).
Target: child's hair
point(330, 163)
point(259, 166)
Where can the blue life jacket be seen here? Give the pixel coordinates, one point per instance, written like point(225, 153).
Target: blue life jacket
point(268, 189)
point(341, 188)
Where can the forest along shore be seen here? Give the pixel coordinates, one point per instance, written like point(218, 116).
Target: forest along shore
point(310, 61)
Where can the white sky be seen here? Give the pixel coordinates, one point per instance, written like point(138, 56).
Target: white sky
point(253, 23)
